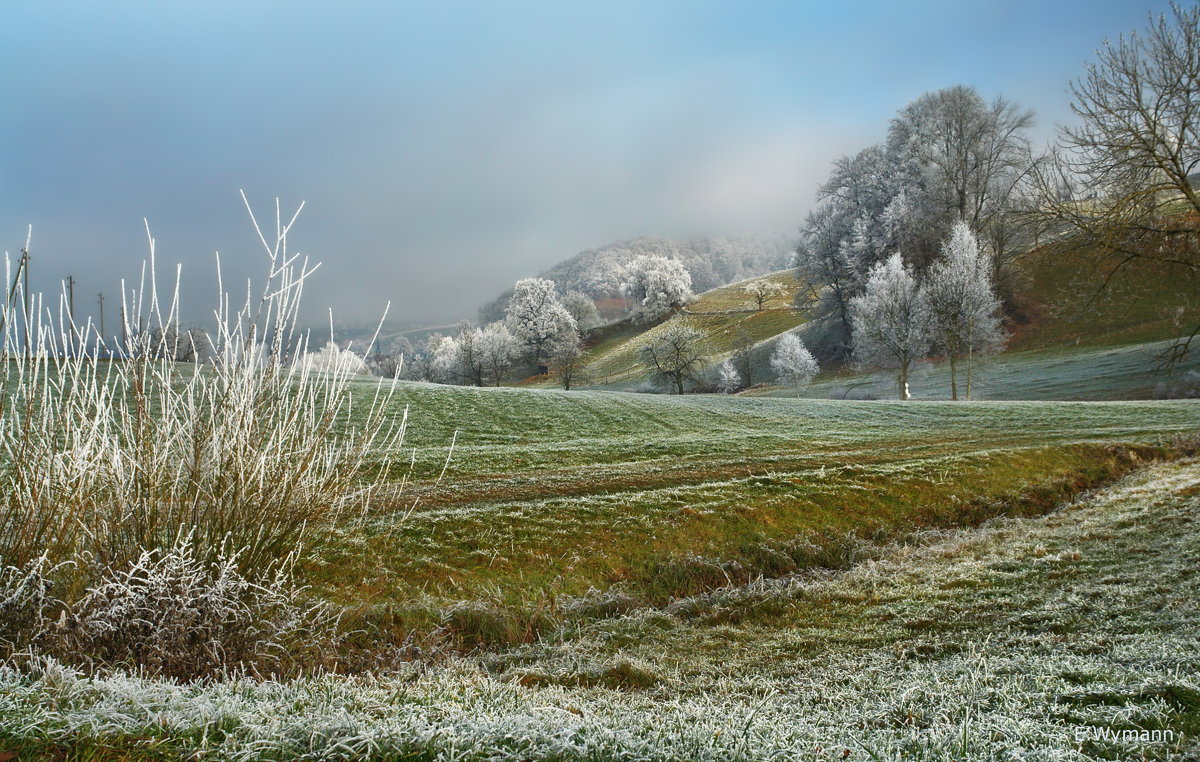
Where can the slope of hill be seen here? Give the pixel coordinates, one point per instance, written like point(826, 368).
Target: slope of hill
point(1076, 297)
point(725, 315)
point(712, 262)
point(1077, 334)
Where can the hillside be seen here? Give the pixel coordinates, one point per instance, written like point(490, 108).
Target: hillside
point(712, 262)
point(1077, 297)
point(725, 315)
point(1076, 334)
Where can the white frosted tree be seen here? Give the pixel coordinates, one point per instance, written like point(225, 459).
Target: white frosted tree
point(457, 359)
point(496, 348)
point(654, 285)
point(792, 361)
point(389, 362)
point(332, 359)
point(890, 321)
point(728, 379)
point(536, 317)
point(964, 311)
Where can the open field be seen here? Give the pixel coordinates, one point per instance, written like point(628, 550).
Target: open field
point(555, 496)
point(1029, 638)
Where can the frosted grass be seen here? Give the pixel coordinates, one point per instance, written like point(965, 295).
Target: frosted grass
point(1092, 601)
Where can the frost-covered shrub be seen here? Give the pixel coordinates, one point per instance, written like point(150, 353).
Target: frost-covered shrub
point(333, 359)
point(172, 614)
point(113, 457)
point(728, 379)
point(26, 604)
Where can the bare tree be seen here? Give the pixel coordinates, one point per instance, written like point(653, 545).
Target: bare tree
point(676, 355)
point(566, 357)
point(1137, 146)
point(762, 291)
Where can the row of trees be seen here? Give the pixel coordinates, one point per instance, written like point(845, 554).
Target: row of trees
point(542, 332)
point(678, 356)
point(952, 310)
point(949, 157)
point(1120, 183)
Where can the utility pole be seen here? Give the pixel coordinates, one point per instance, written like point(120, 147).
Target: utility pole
point(100, 297)
point(12, 292)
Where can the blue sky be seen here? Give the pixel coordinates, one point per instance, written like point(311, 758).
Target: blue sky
point(446, 149)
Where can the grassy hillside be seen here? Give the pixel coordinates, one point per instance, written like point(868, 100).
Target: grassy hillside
point(1077, 297)
point(1001, 643)
point(554, 494)
point(721, 314)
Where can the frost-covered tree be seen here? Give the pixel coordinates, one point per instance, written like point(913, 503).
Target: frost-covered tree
point(968, 148)
point(826, 270)
point(419, 366)
point(333, 359)
point(457, 360)
point(654, 285)
point(792, 361)
point(536, 317)
point(581, 307)
point(964, 312)
point(762, 291)
point(496, 349)
point(676, 356)
point(949, 155)
point(728, 379)
point(891, 321)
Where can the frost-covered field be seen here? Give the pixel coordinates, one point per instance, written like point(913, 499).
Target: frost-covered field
point(1128, 371)
point(1027, 638)
point(554, 493)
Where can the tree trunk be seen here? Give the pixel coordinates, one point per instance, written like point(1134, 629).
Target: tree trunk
point(904, 381)
point(953, 377)
point(679, 384)
point(970, 363)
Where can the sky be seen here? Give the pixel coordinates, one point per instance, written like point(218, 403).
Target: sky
point(445, 149)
